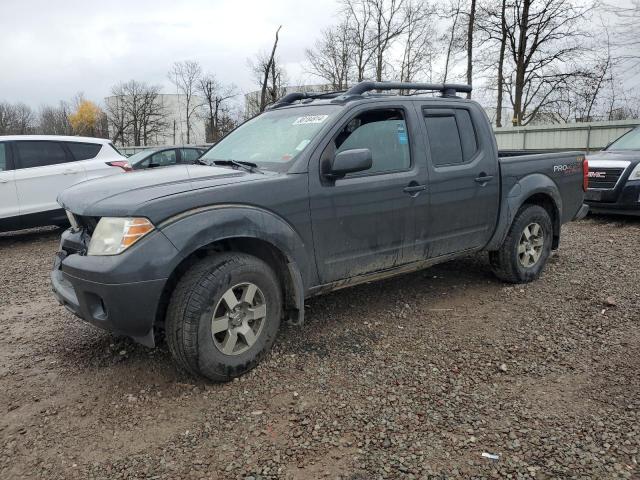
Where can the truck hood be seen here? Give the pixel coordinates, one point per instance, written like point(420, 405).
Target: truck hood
point(121, 195)
point(632, 156)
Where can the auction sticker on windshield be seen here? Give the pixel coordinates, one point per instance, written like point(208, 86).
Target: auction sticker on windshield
point(310, 119)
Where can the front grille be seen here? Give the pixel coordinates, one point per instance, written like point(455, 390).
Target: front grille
point(604, 178)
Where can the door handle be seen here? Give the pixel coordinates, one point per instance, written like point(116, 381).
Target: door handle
point(2, 180)
point(484, 178)
point(70, 171)
point(411, 189)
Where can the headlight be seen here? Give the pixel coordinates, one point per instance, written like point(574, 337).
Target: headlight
point(635, 175)
point(114, 235)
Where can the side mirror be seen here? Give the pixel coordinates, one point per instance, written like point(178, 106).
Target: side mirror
point(350, 161)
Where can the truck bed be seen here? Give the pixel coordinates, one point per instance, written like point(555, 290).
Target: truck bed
point(562, 169)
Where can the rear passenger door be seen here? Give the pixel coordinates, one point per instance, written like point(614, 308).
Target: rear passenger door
point(43, 169)
point(8, 196)
point(464, 179)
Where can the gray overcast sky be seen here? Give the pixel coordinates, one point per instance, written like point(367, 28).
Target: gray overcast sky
point(50, 50)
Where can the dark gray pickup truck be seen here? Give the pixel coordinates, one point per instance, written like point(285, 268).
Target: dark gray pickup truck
point(320, 192)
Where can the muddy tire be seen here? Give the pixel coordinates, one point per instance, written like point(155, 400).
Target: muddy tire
point(223, 316)
point(526, 249)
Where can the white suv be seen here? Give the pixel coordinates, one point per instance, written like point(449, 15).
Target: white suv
point(35, 168)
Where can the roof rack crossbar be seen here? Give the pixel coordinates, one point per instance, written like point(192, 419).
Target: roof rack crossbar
point(289, 98)
point(447, 89)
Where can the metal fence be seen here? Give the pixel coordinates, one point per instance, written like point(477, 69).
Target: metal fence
point(573, 136)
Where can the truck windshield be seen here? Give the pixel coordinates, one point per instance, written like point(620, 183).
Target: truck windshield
point(273, 139)
point(629, 141)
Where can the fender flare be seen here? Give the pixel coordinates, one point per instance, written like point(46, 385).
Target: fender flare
point(195, 229)
point(525, 188)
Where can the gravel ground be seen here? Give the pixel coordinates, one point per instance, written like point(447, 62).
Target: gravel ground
point(412, 377)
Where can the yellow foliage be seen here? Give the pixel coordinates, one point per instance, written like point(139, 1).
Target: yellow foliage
point(85, 119)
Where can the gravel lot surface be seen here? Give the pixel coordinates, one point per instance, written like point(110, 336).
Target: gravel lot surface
point(412, 377)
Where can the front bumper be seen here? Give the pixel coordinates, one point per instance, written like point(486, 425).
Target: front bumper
point(121, 293)
point(626, 202)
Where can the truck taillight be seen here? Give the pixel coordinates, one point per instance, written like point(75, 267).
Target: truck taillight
point(122, 164)
point(585, 174)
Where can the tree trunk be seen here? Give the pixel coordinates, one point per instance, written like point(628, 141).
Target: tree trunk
point(503, 45)
point(520, 64)
point(188, 121)
point(451, 41)
point(267, 70)
point(472, 19)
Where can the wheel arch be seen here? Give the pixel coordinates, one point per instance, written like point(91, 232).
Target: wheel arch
point(535, 189)
point(245, 230)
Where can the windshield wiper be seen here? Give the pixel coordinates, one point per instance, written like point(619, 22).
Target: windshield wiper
point(248, 166)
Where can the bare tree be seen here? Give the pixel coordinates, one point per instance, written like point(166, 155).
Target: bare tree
point(470, 30)
point(185, 76)
point(54, 120)
point(332, 56)
point(135, 113)
point(268, 74)
point(418, 42)
point(452, 38)
point(215, 95)
point(16, 119)
point(542, 38)
point(492, 26)
point(503, 46)
point(388, 22)
point(360, 16)
point(628, 42)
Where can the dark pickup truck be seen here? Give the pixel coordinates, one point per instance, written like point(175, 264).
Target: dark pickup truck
point(614, 176)
point(320, 192)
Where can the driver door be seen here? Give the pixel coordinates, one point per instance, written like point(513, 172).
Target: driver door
point(365, 222)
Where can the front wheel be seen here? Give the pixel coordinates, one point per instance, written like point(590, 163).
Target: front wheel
point(224, 316)
point(526, 249)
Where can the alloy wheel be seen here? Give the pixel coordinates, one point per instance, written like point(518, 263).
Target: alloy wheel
point(238, 318)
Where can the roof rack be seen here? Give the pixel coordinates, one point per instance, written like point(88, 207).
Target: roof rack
point(446, 89)
point(289, 98)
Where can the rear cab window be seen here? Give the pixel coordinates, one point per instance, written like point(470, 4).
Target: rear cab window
point(39, 153)
point(83, 151)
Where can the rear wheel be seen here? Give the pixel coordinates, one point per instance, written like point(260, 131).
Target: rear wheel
point(526, 249)
point(224, 316)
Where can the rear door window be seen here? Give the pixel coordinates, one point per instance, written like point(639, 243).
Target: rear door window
point(83, 151)
point(189, 155)
point(40, 153)
point(452, 136)
point(444, 140)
